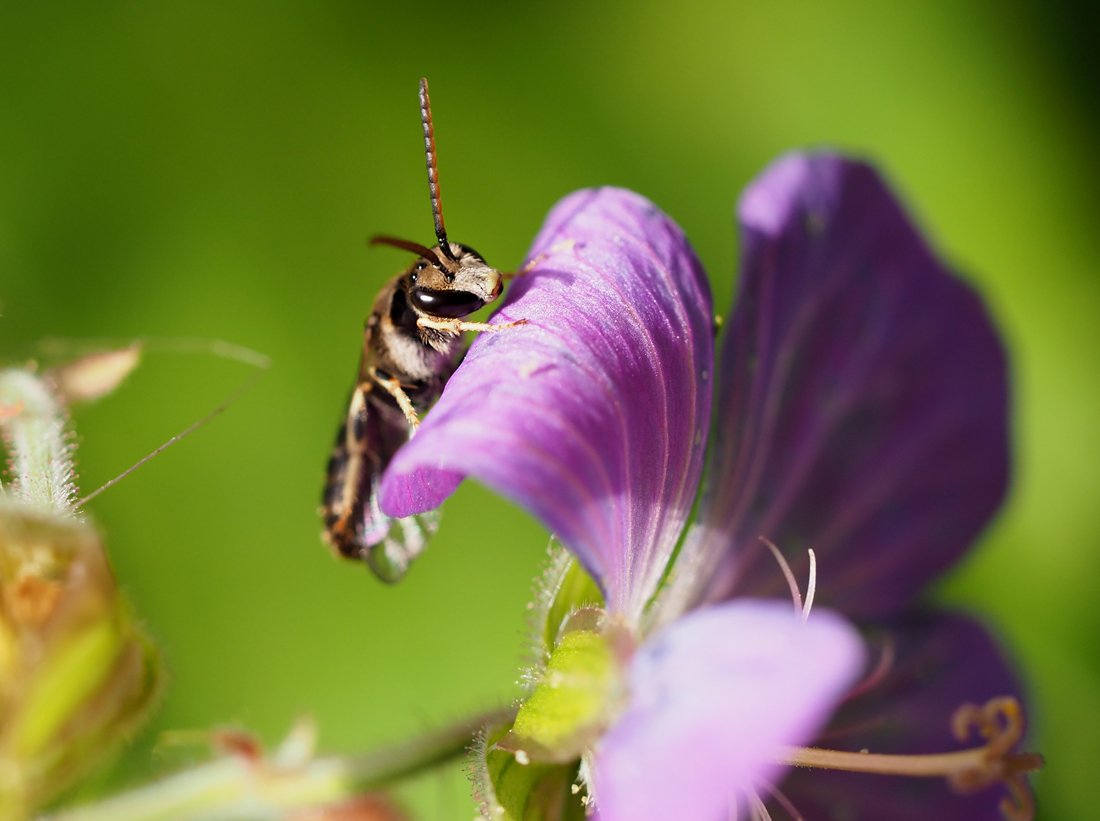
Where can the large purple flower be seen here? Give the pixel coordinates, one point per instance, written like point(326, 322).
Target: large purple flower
point(861, 411)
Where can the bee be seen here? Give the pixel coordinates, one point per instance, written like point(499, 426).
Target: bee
point(412, 343)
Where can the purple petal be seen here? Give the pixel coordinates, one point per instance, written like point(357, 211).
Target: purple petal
point(942, 661)
point(863, 401)
point(593, 415)
point(711, 698)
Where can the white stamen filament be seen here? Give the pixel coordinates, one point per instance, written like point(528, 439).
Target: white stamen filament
point(800, 608)
point(811, 585)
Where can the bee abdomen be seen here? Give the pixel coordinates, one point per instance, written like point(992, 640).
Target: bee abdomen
point(339, 500)
point(366, 441)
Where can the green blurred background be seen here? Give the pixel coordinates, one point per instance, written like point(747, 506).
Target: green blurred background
point(212, 170)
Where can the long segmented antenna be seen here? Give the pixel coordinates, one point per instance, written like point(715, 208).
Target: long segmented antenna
point(431, 160)
point(409, 245)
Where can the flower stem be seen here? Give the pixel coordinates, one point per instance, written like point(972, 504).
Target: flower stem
point(237, 786)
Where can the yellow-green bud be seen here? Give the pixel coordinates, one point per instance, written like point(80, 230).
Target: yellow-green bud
point(76, 673)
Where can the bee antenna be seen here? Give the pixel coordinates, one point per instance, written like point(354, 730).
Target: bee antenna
point(431, 160)
point(429, 254)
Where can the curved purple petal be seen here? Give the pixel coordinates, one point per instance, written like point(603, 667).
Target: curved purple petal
point(711, 697)
point(941, 662)
point(594, 414)
point(863, 399)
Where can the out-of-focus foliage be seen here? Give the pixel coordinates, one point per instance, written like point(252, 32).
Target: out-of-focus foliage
point(212, 171)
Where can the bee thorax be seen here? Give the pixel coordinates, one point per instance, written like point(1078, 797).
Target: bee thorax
point(418, 356)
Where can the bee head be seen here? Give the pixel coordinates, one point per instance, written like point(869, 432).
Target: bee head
point(452, 288)
point(447, 286)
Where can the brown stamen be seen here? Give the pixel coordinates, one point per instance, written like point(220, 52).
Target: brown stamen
point(999, 721)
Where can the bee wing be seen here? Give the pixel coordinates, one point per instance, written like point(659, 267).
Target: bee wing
point(395, 542)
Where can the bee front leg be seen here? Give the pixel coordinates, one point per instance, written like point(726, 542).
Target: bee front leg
point(394, 389)
point(457, 326)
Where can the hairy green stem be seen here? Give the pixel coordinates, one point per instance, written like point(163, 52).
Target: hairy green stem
point(33, 423)
point(237, 787)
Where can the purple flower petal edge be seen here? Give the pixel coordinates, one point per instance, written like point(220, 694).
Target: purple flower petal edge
point(863, 399)
point(711, 698)
point(941, 661)
point(594, 414)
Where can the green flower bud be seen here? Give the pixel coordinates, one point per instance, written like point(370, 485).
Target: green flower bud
point(568, 706)
point(76, 673)
point(529, 769)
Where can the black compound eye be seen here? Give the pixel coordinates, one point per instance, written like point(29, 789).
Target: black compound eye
point(449, 304)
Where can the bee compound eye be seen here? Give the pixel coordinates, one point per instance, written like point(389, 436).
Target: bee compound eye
point(449, 304)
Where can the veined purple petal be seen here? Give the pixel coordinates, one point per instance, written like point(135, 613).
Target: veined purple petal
point(863, 400)
point(711, 698)
point(941, 662)
point(594, 414)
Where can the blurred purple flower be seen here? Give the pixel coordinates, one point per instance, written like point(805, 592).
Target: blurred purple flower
point(861, 411)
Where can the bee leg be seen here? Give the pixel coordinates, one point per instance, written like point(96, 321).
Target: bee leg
point(394, 389)
point(456, 326)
